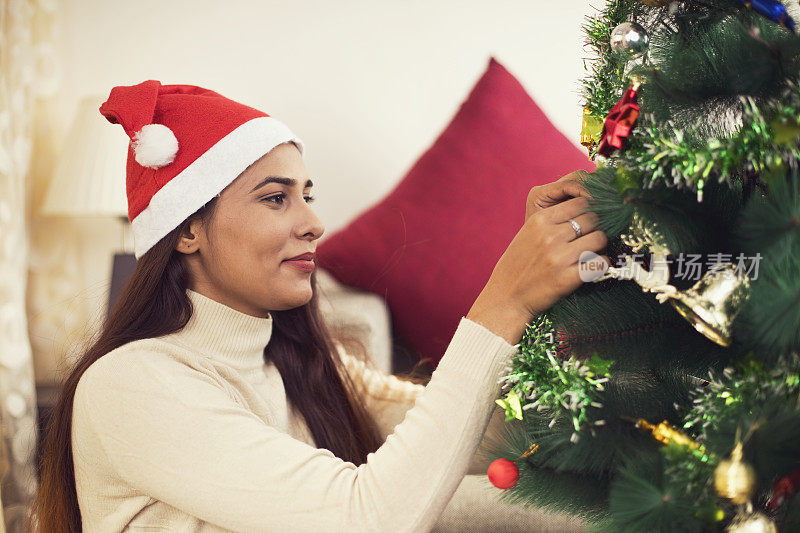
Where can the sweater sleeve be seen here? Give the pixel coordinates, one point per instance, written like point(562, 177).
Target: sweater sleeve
point(176, 435)
point(388, 398)
point(476, 505)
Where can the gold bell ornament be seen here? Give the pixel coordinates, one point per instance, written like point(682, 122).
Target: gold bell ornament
point(710, 305)
point(735, 479)
point(753, 522)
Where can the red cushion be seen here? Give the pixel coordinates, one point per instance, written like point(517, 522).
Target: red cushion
point(430, 245)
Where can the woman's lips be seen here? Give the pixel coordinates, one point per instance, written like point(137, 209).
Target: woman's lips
point(302, 264)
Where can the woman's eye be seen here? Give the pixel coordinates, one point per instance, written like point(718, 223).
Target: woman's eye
point(278, 198)
point(275, 198)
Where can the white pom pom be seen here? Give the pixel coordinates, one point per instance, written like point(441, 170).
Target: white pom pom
point(155, 146)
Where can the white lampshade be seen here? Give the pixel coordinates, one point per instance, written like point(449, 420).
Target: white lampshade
point(89, 178)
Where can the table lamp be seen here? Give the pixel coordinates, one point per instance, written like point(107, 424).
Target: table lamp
point(90, 182)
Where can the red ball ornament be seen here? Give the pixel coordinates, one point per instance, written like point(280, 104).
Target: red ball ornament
point(503, 473)
point(784, 488)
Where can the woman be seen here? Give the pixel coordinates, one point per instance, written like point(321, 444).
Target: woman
point(215, 398)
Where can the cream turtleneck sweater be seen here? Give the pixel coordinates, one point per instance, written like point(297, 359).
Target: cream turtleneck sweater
point(192, 432)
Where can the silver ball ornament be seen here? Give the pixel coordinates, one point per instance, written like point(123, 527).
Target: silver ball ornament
point(630, 39)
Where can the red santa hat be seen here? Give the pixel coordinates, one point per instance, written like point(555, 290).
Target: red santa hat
point(187, 144)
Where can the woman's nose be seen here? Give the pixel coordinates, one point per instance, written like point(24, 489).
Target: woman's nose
point(311, 225)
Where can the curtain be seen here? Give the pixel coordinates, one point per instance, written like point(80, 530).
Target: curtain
point(27, 72)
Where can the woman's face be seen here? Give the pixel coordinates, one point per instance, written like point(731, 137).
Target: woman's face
point(258, 223)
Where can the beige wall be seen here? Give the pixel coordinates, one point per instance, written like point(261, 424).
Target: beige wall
point(367, 85)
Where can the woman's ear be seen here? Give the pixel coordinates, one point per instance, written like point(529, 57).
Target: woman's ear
point(189, 241)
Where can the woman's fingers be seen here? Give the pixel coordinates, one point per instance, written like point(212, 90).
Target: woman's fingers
point(544, 196)
point(595, 241)
point(566, 210)
point(586, 269)
point(559, 191)
point(540, 265)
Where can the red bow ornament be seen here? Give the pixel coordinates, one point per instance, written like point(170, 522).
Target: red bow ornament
point(619, 123)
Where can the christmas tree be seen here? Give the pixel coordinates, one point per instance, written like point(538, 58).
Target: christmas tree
point(664, 394)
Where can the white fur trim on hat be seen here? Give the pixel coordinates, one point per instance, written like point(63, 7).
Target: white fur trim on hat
point(155, 146)
point(206, 177)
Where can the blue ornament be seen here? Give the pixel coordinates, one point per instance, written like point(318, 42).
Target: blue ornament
point(771, 9)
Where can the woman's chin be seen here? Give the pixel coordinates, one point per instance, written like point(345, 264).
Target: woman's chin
point(300, 298)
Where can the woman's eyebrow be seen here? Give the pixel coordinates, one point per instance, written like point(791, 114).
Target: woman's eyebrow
point(291, 182)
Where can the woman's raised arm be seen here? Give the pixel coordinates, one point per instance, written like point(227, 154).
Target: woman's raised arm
point(175, 434)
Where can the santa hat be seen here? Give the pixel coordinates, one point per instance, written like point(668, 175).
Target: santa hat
point(187, 144)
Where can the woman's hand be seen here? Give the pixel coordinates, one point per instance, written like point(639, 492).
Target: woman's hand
point(550, 194)
point(540, 265)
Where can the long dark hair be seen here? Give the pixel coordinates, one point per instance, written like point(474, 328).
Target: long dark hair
point(154, 303)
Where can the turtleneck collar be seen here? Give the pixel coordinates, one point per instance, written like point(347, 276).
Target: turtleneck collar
point(225, 334)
